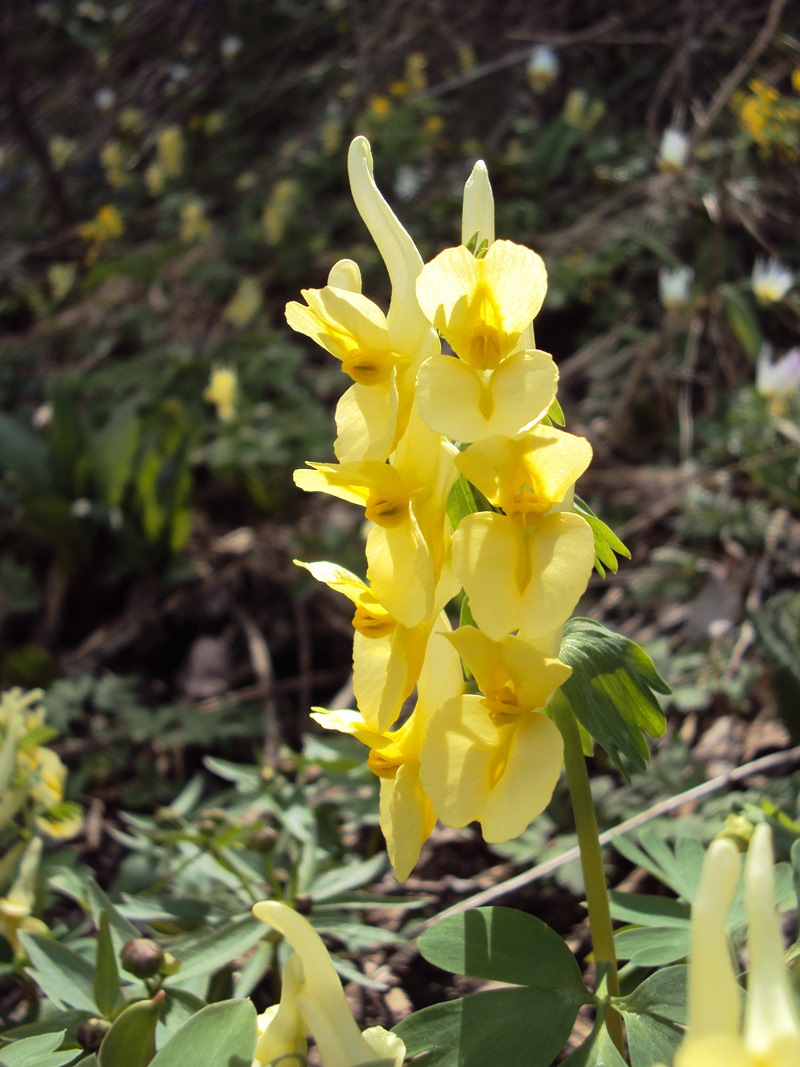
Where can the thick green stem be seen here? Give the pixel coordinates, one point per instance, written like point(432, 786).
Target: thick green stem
point(591, 860)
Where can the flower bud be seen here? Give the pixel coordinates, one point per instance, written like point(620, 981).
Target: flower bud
point(142, 957)
point(90, 1033)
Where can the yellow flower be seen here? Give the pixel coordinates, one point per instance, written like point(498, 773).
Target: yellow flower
point(155, 179)
point(17, 906)
point(387, 656)
point(223, 392)
point(131, 120)
point(61, 278)
point(406, 500)
point(406, 813)
point(280, 209)
point(245, 303)
point(434, 124)
point(107, 225)
point(416, 64)
point(796, 79)
point(770, 1034)
point(170, 149)
point(61, 150)
point(313, 1001)
point(398, 88)
point(114, 160)
point(380, 105)
point(194, 224)
point(525, 569)
point(496, 758)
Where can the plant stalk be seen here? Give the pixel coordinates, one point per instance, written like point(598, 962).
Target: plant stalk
point(591, 862)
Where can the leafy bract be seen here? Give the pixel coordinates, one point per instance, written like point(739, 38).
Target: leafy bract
point(607, 546)
point(527, 1023)
point(612, 691)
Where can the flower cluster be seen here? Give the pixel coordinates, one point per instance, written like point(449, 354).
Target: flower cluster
point(770, 118)
point(421, 429)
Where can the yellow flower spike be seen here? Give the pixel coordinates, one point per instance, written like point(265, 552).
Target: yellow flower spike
point(316, 999)
point(771, 1035)
point(495, 758)
point(482, 306)
point(406, 814)
point(477, 212)
point(387, 657)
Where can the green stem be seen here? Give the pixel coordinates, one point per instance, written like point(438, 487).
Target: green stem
point(591, 861)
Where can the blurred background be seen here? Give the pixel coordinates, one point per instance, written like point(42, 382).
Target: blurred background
point(172, 174)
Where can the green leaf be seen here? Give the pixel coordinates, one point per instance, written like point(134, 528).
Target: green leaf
point(652, 946)
point(64, 976)
point(345, 877)
point(526, 1024)
point(612, 691)
point(651, 1040)
point(742, 320)
point(460, 502)
point(646, 910)
point(677, 868)
point(131, 1041)
point(106, 975)
point(606, 542)
point(663, 995)
point(598, 1050)
point(113, 452)
point(120, 929)
point(221, 1034)
point(206, 953)
point(37, 1052)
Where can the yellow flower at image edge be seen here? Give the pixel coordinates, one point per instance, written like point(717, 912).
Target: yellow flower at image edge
point(770, 1034)
point(313, 1001)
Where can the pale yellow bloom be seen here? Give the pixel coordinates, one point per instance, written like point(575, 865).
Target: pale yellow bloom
point(313, 1002)
point(194, 223)
point(223, 392)
point(114, 160)
point(526, 568)
point(107, 225)
point(61, 150)
point(407, 814)
point(387, 656)
point(16, 908)
point(245, 303)
point(280, 209)
point(770, 1034)
point(496, 758)
point(170, 151)
point(61, 278)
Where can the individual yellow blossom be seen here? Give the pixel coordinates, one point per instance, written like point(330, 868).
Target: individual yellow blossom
point(16, 908)
point(194, 224)
point(770, 1033)
point(155, 179)
point(214, 122)
point(223, 392)
point(61, 278)
point(114, 160)
point(330, 134)
point(61, 150)
point(466, 58)
point(387, 656)
point(483, 307)
point(434, 124)
point(415, 75)
point(398, 88)
point(408, 545)
point(312, 1001)
point(280, 209)
point(581, 111)
point(170, 150)
point(380, 105)
point(106, 226)
point(245, 303)
point(407, 815)
point(524, 568)
point(796, 79)
point(496, 758)
point(131, 120)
